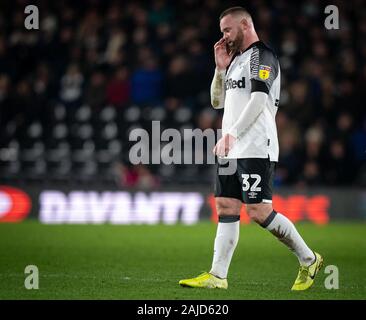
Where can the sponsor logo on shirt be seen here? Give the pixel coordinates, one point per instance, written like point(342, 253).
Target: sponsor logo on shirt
point(233, 84)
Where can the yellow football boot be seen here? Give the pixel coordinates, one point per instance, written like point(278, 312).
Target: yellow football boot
point(205, 280)
point(306, 275)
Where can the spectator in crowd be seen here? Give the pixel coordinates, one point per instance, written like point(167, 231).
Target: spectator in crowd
point(95, 92)
point(138, 176)
point(71, 86)
point(289, 162)
point(179, 81)
point(119, 88)
point(340, 164)
point(6, 110)
point(146, 82)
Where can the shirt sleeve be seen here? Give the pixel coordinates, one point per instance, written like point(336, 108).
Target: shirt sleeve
point(263, 69)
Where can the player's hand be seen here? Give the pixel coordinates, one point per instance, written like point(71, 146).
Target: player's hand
point(222, 57)
point(224, 145)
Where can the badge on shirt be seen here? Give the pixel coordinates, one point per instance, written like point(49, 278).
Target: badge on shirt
point(264, 72)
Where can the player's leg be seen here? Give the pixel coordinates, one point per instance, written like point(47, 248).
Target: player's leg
point(228, 203)
point(283, 229)
point(227, 235)
point(257, 180)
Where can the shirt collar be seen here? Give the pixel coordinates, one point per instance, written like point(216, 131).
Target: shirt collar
point(251, 46)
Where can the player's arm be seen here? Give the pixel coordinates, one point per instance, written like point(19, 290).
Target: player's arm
point(264, 69)
point(251, 112)
point(218, 89)
point(248, 116)
point(222, 61)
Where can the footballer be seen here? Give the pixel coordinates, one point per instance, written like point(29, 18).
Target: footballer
point(247, 84)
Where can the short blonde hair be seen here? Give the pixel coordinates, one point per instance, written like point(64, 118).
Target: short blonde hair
point(235, 11)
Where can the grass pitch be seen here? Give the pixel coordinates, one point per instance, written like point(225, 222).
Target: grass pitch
point(146, 262)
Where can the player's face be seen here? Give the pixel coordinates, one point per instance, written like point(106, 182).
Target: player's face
point(232, 32)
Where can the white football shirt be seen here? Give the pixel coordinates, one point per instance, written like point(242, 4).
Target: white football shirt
point(256, 69)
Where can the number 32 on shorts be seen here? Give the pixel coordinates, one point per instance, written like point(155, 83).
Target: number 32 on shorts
point(254, 187)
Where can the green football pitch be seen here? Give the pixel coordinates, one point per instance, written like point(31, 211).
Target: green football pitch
point(146, 262)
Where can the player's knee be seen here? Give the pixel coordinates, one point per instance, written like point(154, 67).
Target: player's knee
point(228, 206)
point(259, 212)
point(253, 213)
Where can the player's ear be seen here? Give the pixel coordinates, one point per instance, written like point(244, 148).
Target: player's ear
point(244, 23)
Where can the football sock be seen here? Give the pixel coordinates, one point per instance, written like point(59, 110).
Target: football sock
point(227, 237)
point(285, 231)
